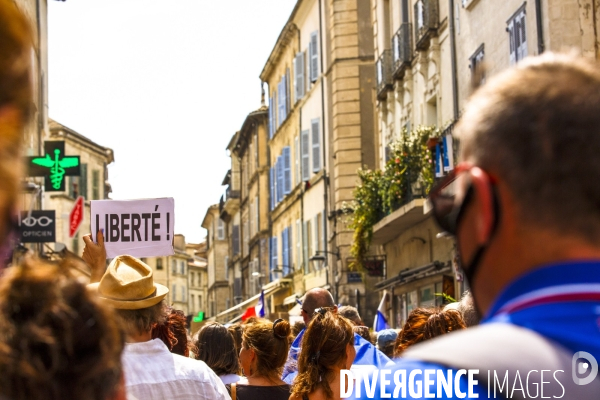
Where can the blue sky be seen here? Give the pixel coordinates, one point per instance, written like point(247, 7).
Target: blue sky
point(165, 84)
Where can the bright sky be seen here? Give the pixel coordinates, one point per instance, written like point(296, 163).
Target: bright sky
point(165, 84)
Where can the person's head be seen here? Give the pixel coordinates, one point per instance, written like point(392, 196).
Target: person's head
point(215, 346)
point(57, 341)
point(529, 142)
point(351, 313)
point(236, 333)
point(426, 323)
point(173, 332)
point(327, 347)
point(467, 310)
point(298, 327)
point(265, 348)
point(313, 299)
point(385, 341)
point(128, 287)
point(15, 106)
point(362, 331)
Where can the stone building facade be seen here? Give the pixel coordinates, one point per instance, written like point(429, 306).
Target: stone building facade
point(430, 56)
point(217, 257)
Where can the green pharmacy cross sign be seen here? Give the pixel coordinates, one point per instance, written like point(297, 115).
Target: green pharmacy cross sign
point(54, 166)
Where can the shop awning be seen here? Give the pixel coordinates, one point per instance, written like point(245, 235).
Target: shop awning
point(234, 313)
point(413, 274)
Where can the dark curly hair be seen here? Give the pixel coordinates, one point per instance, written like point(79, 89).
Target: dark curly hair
point(173, 332)
point(57, 341)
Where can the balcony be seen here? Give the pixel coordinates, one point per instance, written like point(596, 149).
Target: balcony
point(427, 20)
point(229, 203)
point(384, 74)
point(402, 48)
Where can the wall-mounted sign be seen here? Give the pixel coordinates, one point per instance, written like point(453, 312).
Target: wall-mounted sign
point(37, 227)
point(140, 228)
point(54, 166)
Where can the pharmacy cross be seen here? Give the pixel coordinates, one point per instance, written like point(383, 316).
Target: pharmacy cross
point(54, 166)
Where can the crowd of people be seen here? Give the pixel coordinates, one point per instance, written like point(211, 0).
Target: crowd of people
point(527, 227)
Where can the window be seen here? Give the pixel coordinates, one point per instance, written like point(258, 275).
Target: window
point(246, 236)
point(309, 241)
point(287, 170)
point(517, 36)
point(475, 64)
point(78, 184)
point(282, 105)
point(305, 241)
point(297, 157)
point(95, 185)
point(316, 148)
point(235, 240)
point(182, 267)
point(256, 216)
point(285, 255)
point(305, 146)
point(183, 297)
point(220, 229)
point(174, 293)
point(272, 115)
point(199, 279)
point(174, 266)
point(299, 84)
point(200, 303)
point(192, 279)
point(280, 170)
point(274, 254)
point(313, 55)
point(159, 265)
point(226, 260)
point(192, 302)
point(298, 244)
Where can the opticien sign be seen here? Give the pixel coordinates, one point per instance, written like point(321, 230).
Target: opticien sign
point(54, 166)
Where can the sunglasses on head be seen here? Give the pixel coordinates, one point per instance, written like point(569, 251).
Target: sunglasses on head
point(450, 196)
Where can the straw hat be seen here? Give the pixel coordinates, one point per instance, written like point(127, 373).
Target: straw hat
point(128, 284)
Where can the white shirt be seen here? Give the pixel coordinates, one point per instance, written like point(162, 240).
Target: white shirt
point(229, 378)
point(152, 372)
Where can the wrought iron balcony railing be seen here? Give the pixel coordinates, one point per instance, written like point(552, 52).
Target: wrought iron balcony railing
point(427, 19)
point(384, 74)
point(402, 49)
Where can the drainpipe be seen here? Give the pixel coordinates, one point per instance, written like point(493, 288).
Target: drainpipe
point(326, 178)
point(453, 58)
point(538, 20)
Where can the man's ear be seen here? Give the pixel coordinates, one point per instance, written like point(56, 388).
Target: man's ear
point(484, 199)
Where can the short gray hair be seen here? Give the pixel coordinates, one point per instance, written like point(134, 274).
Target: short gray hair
point(537, 126)
point(142, 320)
point(350, 313)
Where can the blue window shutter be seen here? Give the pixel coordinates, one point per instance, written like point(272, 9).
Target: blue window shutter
point(299, 76)
point(275, 184)
point(282, 99)
point(287, 91)
point(271, 121)
point(273, 255)
point(271, 188)
point(316, 148)
point(283, 250)
point(287, 170)
point(314, 56)
point(280, 183)
point(305, 147)
point(438, 161)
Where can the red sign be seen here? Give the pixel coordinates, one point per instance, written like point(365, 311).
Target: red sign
point(76, 217)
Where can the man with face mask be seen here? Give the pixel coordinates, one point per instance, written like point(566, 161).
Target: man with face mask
point(524, 206)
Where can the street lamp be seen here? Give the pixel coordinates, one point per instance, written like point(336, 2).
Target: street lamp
point(320, 258)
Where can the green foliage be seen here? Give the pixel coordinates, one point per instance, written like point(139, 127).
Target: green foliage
point(407, 174)
point(447, 298)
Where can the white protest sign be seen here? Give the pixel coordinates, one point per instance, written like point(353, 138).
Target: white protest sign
point(140, 228)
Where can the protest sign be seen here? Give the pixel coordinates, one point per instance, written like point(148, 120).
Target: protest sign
point(140, 228)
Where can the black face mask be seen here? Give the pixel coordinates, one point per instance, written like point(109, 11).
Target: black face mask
point(471, 268)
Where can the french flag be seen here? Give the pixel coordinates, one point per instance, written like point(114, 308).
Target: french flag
point(380, 322)
point(258, 310)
